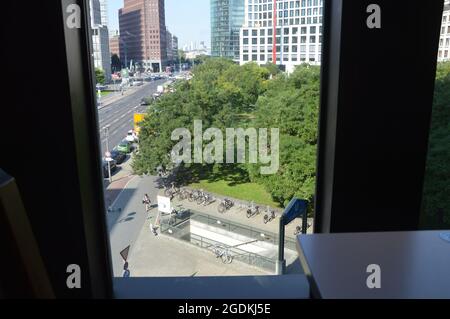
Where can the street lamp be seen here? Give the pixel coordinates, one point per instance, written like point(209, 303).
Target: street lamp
point(108, 155)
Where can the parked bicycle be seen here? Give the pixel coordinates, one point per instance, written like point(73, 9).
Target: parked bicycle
point(184, 194)
point(252, 210)
point(204, 199)
point(194, 195)
point(269, 216)
point(163, 173)
point(222, 253)
point(226, 204)
point(298, 229)
point(171, 191)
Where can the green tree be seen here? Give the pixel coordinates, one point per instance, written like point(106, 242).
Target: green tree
point(291, 103)
point(100, 76)
point(223, 94)
point(218, 92)
point(182, 56)
point(436, 198)
point(272, 68)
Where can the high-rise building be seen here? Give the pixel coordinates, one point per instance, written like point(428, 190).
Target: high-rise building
point(175, 48)
point(285, 32)
point(444, 40)
point(169, 43)
point(114, 45)
point(100, 36)
point(227, 18)
point(143, 34)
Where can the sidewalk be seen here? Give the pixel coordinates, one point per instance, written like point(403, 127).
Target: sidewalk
point(239, 216)
point(119, 182)
point(162, 256)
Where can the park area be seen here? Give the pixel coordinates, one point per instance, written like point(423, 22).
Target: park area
point(227, 181)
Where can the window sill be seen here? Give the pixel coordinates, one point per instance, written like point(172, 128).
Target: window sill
point(235, 287)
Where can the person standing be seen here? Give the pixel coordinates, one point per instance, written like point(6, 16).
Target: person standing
point(126, 271)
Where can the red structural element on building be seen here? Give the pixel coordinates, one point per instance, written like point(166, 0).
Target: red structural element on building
point(274, 40)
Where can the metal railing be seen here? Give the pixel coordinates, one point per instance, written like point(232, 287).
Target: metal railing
point(236, 253)
point(178, 226)
point(237, 228)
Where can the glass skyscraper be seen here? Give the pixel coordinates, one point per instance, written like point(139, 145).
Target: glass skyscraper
point(227, 17)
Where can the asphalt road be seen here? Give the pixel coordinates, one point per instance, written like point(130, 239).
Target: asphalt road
point(119, 115)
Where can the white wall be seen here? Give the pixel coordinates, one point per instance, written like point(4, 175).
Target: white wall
point(231, 239)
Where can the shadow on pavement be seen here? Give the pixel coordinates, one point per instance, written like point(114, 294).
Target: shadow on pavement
point(128, 219)
point(119, 205)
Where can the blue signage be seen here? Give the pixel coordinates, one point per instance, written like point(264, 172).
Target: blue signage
point(296, 208)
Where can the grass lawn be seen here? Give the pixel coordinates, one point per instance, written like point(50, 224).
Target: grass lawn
point(229, 181)
point(246, 191)
point(105, 93)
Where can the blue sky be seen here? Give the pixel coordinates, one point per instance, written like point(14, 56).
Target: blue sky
point(187, 19)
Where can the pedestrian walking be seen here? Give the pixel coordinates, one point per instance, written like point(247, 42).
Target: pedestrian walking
point(153, 229)
point(147, 202)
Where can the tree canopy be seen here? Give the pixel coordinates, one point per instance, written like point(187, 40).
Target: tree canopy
point(436, 199)
point(100, 76)
point(225, 95)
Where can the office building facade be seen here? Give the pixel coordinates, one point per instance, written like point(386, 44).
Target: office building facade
point(169, 50)
point(227, 18)
point(114, 43)
point(143, 36)
point(285, 32)
point(100, 36)
point(175, 48)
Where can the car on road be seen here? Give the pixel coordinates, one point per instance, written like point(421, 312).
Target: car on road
point(124, 147)
point(146, 101)
point(119, 157)
point(131, 137)
point(113, 167)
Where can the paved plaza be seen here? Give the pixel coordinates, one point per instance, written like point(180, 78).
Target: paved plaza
point(162, 255)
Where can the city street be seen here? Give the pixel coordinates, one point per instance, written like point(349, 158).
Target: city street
point(119, 114)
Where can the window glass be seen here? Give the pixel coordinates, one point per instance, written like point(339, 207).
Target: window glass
point(436, 199)
point(185, 197)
